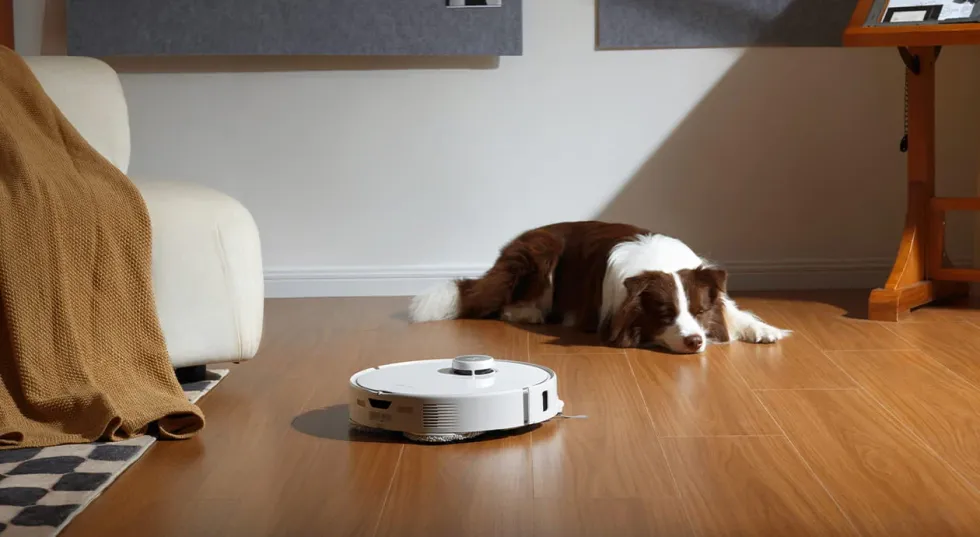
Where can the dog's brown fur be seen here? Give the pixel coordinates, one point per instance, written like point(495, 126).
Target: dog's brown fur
point(560, 269)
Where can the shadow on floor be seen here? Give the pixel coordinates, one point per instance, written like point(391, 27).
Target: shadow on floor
point(560, 336)
point(852, 303)
point(401, 315)
point(333, 423)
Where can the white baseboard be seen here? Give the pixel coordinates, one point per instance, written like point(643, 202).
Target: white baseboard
point(410, 280)
point(360, 281)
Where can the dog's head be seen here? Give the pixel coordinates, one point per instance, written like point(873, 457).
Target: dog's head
point(678, 311)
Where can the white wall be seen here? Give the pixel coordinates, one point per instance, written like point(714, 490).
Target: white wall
point(781, 162)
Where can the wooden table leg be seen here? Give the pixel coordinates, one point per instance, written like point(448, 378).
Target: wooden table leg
point(908, 285)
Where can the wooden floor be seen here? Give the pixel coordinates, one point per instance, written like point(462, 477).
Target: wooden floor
point(847, 428)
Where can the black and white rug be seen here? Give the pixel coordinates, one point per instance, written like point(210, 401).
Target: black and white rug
point(42, 489)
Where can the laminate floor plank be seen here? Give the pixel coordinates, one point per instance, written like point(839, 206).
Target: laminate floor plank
point(884, 480)
point(834, 325)
point(670, 445)
point(283, 434)
point(751, 486)
point(938, 405)
point(476, 488)
point(622, 517)
point(795, 363)
point(699, 395)
point(551, 339)
point(612, 452)
point(954, 344)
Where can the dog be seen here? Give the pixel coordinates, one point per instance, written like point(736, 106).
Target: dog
point(633, 287)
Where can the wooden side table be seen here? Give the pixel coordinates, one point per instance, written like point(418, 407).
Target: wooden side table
point(921, 272)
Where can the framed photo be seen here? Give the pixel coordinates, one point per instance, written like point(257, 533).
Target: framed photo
point(922, 12)
point(912, 14)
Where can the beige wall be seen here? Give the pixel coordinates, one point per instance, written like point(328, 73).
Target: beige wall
point(781, 162)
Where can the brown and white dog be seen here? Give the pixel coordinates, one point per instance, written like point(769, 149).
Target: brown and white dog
point(633, 287)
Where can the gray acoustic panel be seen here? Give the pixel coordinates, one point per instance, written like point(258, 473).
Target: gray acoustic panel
point(103, 28)
point(625, 24)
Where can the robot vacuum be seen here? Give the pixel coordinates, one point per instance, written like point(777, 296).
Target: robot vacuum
point(453, 399)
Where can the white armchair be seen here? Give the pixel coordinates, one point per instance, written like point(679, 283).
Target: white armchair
point(207, 262)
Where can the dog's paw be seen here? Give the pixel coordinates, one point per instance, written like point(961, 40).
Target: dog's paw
point(760, 332)
point(522, 314)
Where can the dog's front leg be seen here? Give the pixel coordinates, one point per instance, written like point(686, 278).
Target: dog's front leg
point(744, 326)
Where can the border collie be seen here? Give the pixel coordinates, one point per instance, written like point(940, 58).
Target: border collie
point(635, 288)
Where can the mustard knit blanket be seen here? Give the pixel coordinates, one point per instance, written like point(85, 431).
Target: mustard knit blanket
point(82, 354)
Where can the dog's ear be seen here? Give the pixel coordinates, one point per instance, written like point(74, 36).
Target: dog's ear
point(714, 278)
point(713, 282)
point(621, 329)
point(637, 284)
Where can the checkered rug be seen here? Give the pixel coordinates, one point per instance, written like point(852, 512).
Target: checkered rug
point(42, 489)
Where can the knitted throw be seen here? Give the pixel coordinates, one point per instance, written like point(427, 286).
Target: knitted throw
point(82, 354)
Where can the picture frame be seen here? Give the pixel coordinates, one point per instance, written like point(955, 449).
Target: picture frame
point(891, 13)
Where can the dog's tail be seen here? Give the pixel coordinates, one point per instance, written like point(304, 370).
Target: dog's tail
point(521, 272)
point(474, 298)
point(438, 303)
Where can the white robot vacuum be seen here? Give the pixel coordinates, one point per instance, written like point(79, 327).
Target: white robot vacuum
point(453, 399)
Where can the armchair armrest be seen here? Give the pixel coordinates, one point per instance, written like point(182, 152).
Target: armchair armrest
point(207, 273)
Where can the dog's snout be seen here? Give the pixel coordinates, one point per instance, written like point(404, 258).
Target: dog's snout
point(693, 343)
